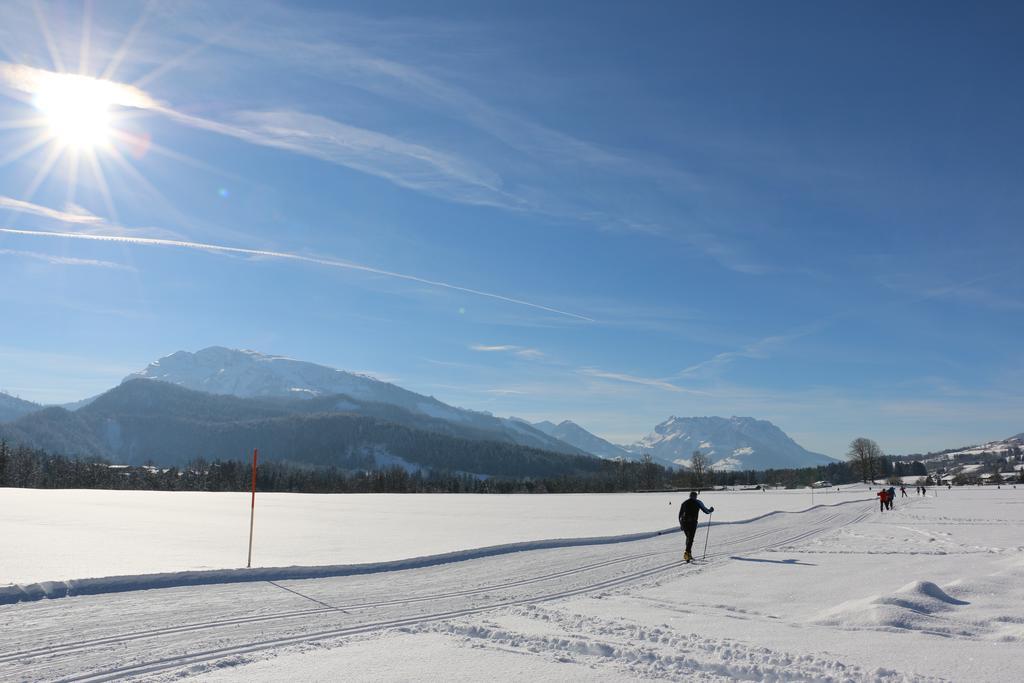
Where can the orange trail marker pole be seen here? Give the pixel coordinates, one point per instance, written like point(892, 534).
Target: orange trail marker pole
point(252, 509)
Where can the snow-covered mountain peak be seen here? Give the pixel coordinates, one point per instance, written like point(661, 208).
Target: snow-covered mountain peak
point(250, 374)
point(730, 443)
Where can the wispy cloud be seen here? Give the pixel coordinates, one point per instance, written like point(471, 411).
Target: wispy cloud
point(494, 160)
point(331, 263)
point(633, 379)
point(967, 291)
point(758, 349)
point(970, 291)
point(762, 348)
point(725, 253)
point(502, 154)
point(89, 222)
point(66, 260)
point(47, 376)
point(528, 149)
point(75, 214)
point(30, 80)
point(526, 145)
point(295, 38)
point(406, 164)
point(980, 296)
point(521, 351)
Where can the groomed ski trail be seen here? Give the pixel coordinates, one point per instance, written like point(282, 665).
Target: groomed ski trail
point(144, 633)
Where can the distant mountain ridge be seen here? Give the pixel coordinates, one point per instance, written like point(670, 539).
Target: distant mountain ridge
point(1002, 446)
point(574, 435)
point(250, 374)
point(12, 407)
point(735, 443)
point(282, 387)
point(730, 443)
point(144, 421)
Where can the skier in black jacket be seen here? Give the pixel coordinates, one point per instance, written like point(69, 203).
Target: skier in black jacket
point(689, 511)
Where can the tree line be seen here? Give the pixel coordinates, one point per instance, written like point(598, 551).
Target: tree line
point(870, 463)
point(26, 467)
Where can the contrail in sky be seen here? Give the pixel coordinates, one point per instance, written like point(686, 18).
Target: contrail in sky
point(217, 248)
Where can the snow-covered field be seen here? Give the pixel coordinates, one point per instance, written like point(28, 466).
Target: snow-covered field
point(933, 590)
point(78, 534)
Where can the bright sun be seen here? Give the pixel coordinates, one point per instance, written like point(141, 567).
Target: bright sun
point(76, 109)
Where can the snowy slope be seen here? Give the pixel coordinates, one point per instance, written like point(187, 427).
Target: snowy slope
point(574, 435)
point(781, 597)
point(1008, 446)
point(735, 443)
point(248, 374)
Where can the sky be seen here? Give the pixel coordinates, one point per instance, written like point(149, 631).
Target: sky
point(606, 212)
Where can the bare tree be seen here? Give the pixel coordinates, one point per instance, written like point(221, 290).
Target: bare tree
point(864, 454)
point(699, 467)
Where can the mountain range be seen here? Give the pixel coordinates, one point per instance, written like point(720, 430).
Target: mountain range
point(235, 398)
point(735, 443)
point(249, 374)
point(574, 435)
point(145, 421)
point(11, 407)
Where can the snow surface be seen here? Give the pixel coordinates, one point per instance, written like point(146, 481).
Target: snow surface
point(840, 592)
point(86, 533)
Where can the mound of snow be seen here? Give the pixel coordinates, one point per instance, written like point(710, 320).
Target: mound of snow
point(918, 606)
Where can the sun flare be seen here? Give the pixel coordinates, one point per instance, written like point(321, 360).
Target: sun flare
point(77, 109)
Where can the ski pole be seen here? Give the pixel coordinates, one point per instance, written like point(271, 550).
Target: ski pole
point(706, 537)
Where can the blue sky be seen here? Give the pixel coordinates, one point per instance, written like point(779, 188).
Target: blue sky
point(802, 212)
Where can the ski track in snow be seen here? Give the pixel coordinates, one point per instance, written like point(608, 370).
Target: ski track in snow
point(114, 584)
point(658, 652)
point(608, 611)
point(65, 537)
point(114, 652)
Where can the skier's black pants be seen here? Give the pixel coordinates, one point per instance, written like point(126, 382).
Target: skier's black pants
point(690, 529)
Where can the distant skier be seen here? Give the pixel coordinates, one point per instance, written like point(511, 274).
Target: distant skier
point(689, 511)
point(903, 491)
point(892, 496)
